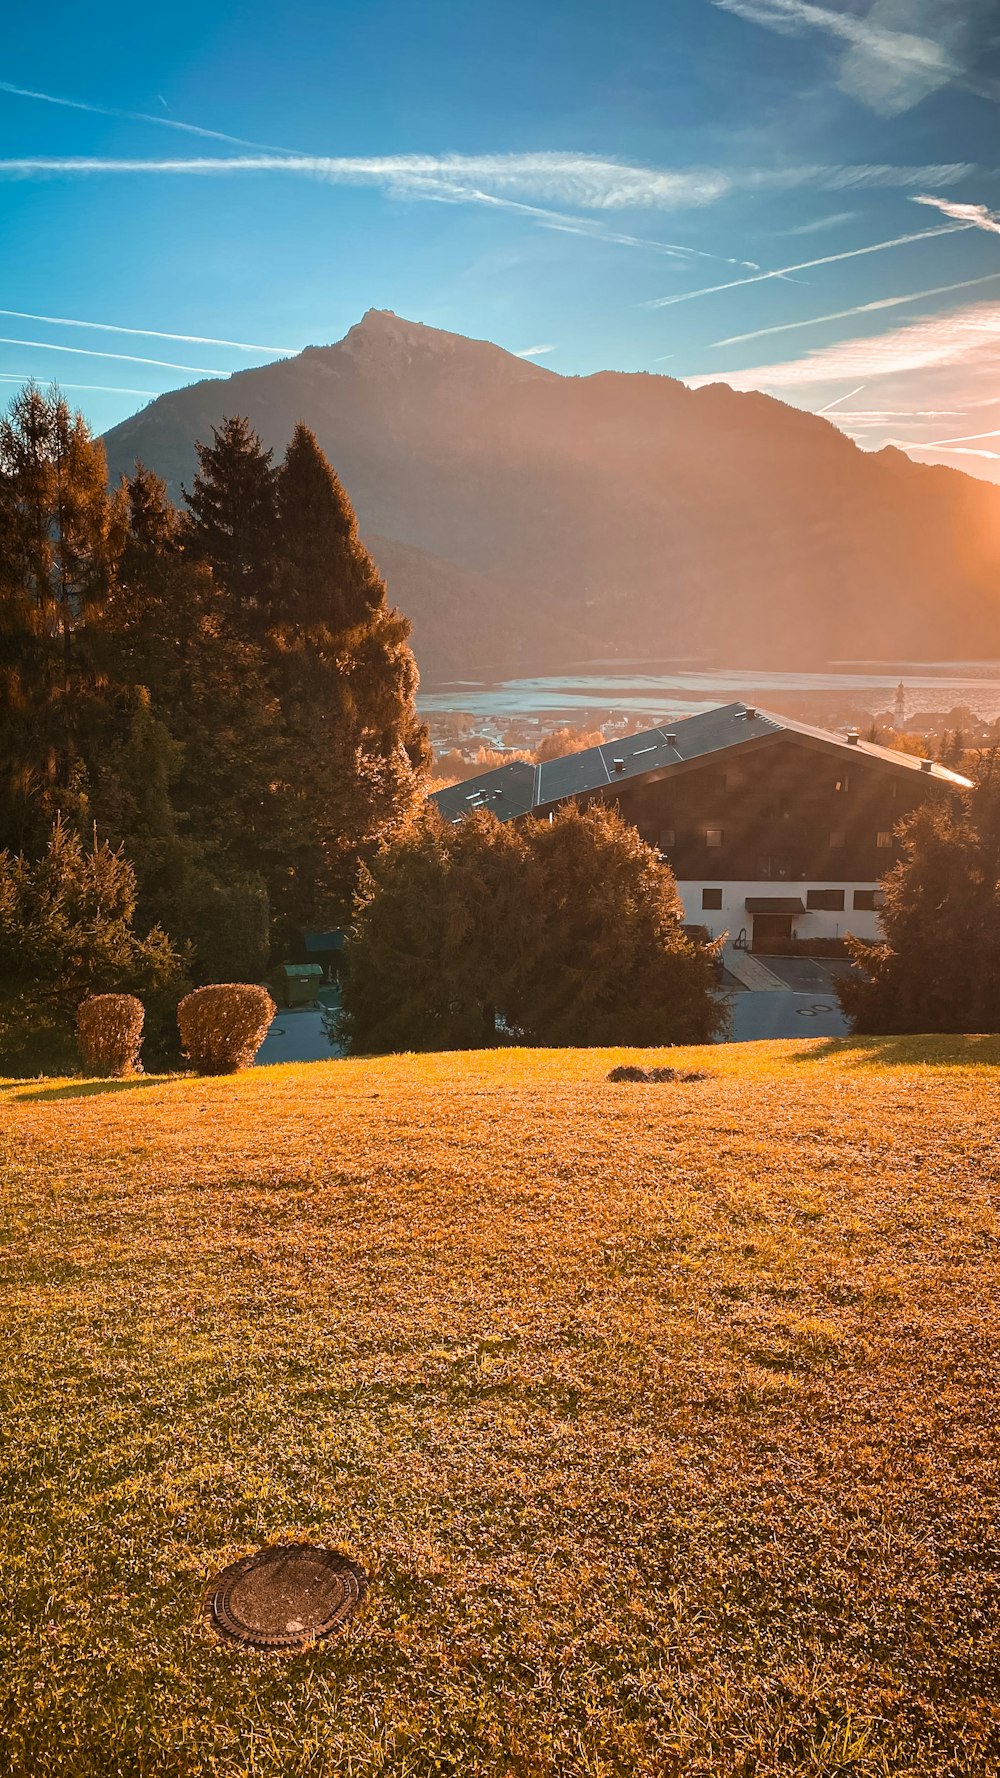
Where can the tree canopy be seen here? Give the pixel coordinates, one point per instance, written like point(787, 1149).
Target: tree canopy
point(938, 965)
point(223, 689)
point(556, 933)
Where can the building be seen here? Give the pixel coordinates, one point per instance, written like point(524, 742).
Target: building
point(775, 831)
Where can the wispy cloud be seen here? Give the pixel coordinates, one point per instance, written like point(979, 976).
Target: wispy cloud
point(534, 351)
point(957, 337)
point(819, 224)
point(149, 333)
point(975, 215)
point(164, 122)
point(587, 182)
point(884, 302)
point(119, 357)
point(806, 265)
point(898, 53)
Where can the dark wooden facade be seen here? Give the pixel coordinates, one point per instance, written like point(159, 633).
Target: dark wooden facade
point(783, 811)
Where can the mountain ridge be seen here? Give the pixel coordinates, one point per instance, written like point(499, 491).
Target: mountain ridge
point(523, 517)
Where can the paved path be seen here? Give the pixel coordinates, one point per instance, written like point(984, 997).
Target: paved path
point(750, 972)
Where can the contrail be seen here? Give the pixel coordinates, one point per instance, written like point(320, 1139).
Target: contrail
point(884, 302)
point(152, 333)
point(168, 123)
point(924, 234)
point(97, 388)
point(120, 357)
point(840, 399)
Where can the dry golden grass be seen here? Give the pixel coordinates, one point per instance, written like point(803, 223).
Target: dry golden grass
point(663, 1418)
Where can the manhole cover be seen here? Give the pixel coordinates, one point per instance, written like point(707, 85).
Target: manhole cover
point(285, 1595)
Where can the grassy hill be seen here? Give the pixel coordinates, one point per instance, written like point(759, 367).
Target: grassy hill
point(663, 1419)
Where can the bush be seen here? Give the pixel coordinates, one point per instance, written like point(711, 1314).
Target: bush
point(109, 1033)
point(223, 1027)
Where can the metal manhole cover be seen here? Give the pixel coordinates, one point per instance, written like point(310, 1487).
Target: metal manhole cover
point(285, 1596)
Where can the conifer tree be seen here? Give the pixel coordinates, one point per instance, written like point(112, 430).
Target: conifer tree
point(57, 560)
point(232, 522)
point(328, 582)
point(66, 931)
point(346, 678)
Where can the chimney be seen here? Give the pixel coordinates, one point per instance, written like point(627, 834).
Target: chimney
point(852, 737)
point(619, 765)
point(927, 765)
point(749, 713)
point(671, 740)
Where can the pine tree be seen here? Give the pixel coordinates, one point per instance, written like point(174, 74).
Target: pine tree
point(232, 522)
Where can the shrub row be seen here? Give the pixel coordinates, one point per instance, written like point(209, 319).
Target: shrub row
point(221, 1029)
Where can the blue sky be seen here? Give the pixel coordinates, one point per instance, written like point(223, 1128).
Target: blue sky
point(600, 187)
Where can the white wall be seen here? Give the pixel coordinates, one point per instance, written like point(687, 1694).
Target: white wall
point(733, 916)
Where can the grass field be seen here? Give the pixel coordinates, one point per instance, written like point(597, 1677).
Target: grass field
point(663, 1419)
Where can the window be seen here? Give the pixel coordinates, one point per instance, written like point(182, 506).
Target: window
point(838, 841)
point(830, 899)
point(866, 901)
point(667, 838)
point(713, 838)
point(843, 783)
point(884, 838)
point(711, 898)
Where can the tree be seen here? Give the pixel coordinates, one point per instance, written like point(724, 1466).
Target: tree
point(232, 522)
point(937, 967)
point(614, 965)
point(354, 753)
point(485, 932)
point(326, 580)
point(433, 951)
point(66, 932)
point(60, 534)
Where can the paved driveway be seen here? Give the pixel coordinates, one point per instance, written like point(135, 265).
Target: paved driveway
point(761, 1015)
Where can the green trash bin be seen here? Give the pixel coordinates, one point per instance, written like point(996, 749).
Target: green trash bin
point(297, 984)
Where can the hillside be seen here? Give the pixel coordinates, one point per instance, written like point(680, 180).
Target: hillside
point(527, 520)
point(662, 1419)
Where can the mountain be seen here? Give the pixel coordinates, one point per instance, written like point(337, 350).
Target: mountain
point(527, 521)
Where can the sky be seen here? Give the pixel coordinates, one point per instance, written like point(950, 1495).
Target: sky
point(786, 195)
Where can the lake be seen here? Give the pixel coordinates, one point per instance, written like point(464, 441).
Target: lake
point(660, 689)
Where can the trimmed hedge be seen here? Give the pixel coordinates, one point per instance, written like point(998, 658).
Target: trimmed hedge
point(223, 1027)
point(109, 1034)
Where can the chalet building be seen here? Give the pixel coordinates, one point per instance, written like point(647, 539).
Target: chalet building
point(774, 830)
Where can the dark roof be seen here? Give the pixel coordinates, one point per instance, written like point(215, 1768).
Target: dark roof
point(519, 788)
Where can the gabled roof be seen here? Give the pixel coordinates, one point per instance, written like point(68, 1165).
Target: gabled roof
point(519, 788)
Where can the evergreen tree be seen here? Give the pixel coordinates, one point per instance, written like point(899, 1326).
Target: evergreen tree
point(354, 750)
point(232, 522)
point(60, 538)
point(66, 931)
point(938, 965)
point(327, 581)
